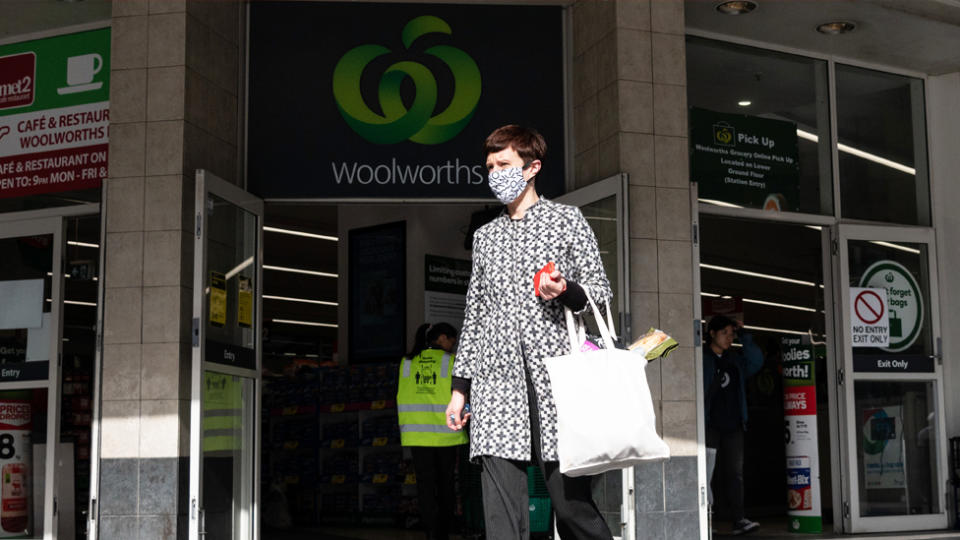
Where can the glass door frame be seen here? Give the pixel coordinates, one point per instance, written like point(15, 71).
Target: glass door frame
point(616, 186)
point(207, 184)
point(20, 225)
point(850, 428)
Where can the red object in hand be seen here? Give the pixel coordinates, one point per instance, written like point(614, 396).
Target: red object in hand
point(548, 269)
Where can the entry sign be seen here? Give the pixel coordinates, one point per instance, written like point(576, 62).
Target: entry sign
point(869, 322)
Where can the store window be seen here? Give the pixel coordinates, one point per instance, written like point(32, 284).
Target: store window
point(779, 97)
point(882, 147)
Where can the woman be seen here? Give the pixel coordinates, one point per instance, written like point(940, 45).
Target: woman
point(422, 395)
point(510, 327)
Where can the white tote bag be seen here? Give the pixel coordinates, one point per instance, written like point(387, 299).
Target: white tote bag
point(605, 415)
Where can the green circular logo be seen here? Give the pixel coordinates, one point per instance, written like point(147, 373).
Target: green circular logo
point(398, 122)
point(904, 301)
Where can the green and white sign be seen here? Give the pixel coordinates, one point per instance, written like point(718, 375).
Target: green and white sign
point(904, 302)
point(54, 113)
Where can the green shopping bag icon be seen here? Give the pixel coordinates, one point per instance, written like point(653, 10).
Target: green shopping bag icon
point(896, 325)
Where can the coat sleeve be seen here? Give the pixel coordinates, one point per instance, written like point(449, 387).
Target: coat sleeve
point(470, 344)
point(587, 268)
point(752, 357)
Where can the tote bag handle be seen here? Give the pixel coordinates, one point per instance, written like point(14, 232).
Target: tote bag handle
point(576, 333)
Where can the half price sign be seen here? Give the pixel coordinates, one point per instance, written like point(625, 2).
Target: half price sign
point(869, 320)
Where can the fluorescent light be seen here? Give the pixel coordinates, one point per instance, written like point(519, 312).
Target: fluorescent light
point(76, 303)
point(775, 304)
point(745, 103)
point(762, 302)
point(301, 233)
point(861, 154)
point(757, 274)
point(896, 246)
point(719, 203)
point(299, 271)
point(777, 330)
point(82, 244)
point(236, 270)
point(304, 323)
point(304, 300)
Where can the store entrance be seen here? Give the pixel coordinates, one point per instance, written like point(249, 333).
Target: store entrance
point(49, 297)
point(771, 276)
point(345, 287)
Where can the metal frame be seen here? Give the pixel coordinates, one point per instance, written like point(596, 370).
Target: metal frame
point(703, 485)
point(207, 183)
point(854, 522)
point(835, 226)
point(54, 226)
point(616, 186)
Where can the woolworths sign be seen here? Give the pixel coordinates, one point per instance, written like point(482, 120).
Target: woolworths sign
point(399, 106)
point(54, 113)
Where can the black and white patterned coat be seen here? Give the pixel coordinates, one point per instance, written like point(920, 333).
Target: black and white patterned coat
point(506, 325)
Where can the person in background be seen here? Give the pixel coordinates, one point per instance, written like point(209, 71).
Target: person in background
point(725, 371)
point(422, 396)
point(531, 262)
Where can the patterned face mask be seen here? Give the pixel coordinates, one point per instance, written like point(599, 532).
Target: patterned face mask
point(507, 184)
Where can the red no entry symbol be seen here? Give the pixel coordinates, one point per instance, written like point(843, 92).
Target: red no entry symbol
point(868, 307)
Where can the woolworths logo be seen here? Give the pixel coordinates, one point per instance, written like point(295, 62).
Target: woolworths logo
point(398, 122)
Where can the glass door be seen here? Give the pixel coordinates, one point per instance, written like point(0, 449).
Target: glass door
point(604, 204)
point(891, 383)
point(31, 285)
point(224, 435)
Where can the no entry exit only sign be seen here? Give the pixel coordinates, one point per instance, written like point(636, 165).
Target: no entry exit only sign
point(869, 321)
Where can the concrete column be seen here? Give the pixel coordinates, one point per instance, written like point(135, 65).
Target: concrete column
point(174, 100)
point(630, 115)
point(943, 104)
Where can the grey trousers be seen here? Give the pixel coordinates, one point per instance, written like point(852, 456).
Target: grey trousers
point(506, 506)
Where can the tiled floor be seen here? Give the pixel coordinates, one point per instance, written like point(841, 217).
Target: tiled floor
point(776, 529)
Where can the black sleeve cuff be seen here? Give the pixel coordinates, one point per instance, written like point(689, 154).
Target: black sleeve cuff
point(461, 385)
point(574, 297)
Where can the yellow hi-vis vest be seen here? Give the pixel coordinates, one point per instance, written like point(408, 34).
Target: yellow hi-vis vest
point(422, 397)
point(222, 414)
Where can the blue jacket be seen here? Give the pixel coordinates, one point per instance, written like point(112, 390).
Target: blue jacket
point(748, 363)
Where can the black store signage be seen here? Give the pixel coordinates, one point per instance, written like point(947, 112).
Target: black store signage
point(891, 363)
point(364, 100)
point(745, 160)
point(230, 355)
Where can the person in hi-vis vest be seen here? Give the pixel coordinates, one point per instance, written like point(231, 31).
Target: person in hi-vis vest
point(422, 397)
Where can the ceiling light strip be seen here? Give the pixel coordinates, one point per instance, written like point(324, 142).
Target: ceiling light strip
point(301, 233)
point(762, 302)
point(896, 246)
point(82, 244)
point(775, 330)
point(236, 270)
point(299, 271)
point(861, 154)
point(303, 300)
point(719, 203)
point(304, 323)
point(757, 274)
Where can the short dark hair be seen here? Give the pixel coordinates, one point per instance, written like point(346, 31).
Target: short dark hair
point(717, 323)
point(526, 142)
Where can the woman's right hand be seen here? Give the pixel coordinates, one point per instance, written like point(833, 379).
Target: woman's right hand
point(455, 409)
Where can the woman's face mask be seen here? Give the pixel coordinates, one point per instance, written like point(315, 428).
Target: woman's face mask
point(507, 184)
